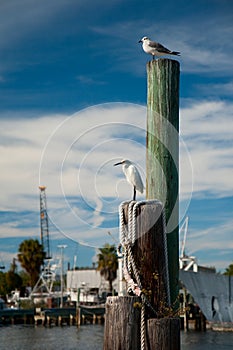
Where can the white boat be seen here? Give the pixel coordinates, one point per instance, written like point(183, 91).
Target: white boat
point(212, 292)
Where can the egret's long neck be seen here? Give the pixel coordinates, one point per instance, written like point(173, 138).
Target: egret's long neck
point(124, 167)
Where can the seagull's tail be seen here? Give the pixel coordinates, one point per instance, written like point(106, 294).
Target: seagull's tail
point(177, 53)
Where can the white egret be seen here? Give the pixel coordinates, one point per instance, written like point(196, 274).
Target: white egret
point(132, 175)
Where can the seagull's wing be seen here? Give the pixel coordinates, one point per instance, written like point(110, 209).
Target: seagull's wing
point(159, 47)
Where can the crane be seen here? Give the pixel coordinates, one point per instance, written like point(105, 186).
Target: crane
point(44, 286)
point(44, 225)
point(47, 276)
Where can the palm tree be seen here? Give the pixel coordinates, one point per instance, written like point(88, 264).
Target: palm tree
point(229, 270)
point(107, 263)
point(31, 257)
point(12, 278)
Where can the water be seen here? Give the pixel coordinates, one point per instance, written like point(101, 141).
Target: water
point(18, 337)
point(208, 340)
point(90, 337)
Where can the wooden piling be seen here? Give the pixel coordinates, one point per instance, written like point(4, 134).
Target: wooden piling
point(149, 253)
point(163, 152)
point(123, 314)
point(122, 323)
point(163, 334)
point(78, 316)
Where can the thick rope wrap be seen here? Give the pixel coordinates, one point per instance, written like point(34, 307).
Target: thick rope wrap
point(128, 238)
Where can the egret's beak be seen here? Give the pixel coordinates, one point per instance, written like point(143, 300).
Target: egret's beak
point(117, 164)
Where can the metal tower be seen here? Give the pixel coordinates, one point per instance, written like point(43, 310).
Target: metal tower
point(44, 225)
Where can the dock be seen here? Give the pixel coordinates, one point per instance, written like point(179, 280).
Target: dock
point(90, 314)
point(55, 316)
point(17, 316)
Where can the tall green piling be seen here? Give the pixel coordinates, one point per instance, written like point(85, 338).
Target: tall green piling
point(163, 152)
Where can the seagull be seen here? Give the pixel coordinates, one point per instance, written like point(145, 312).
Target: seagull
point(155, 49)
point(132, 176)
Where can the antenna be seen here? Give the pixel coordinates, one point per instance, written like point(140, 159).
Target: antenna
point(184, 228)
point(44, 225)
point(186, 262)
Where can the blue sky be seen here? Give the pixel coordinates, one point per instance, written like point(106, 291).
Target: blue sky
point(73, 101)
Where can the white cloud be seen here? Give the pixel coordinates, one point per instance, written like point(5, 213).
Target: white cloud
point(83, 146)
point(218, 89)
point(207, 129)
point(21, 146)
point(210, 237)
point(12, 230)
point(74, 157)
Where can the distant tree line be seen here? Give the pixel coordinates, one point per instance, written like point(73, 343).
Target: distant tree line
point(31, 257)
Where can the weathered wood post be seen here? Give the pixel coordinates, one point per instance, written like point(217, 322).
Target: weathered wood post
point(123, 321)
point(122, 330)
point(163, 152)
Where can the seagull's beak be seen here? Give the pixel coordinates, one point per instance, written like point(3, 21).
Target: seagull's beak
point(117, 164)
point(140, 41)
